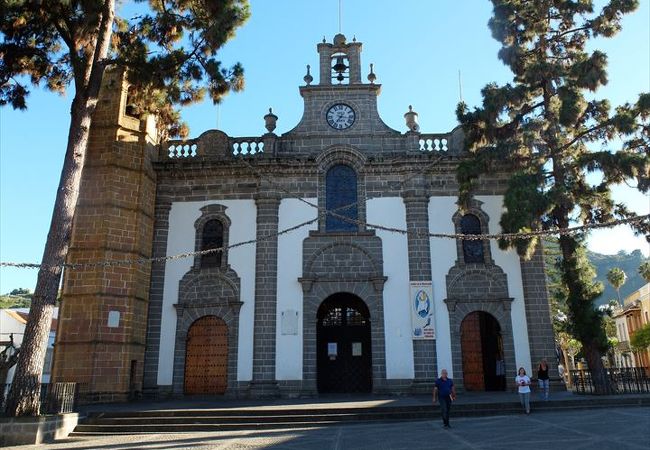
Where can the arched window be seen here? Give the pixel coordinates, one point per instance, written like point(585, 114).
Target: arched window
point(472, 250)
point(212, 237)
point(341, 198)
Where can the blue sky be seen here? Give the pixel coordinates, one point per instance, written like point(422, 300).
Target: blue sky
point(417, 47)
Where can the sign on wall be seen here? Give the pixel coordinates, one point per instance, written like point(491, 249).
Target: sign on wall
point(421, 303)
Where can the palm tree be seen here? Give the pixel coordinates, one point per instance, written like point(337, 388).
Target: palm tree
point(644, 270)
point(616, 278)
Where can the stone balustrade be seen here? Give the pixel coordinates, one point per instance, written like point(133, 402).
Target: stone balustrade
point(192, 148)
point(181, 149)
point(217, 145)
point(434, 142)
point(247, 146)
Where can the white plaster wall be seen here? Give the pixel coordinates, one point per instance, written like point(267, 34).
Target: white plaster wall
point(443, 257)
point(509, 262)
point(390, 212)
point(9, 325)
point(181, 239)
point(288, 354)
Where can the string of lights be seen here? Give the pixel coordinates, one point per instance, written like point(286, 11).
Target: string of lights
point(323, 212)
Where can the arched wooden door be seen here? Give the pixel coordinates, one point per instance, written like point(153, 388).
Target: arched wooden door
point(482, 350)
point(206, 357)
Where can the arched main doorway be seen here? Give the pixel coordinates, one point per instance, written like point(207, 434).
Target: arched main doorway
point(343, 358)
point(482, 350)
point(206, 357)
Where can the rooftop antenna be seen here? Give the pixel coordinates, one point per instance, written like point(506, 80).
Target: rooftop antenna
point(340, 15)
point(218, 114)
point(460, 87)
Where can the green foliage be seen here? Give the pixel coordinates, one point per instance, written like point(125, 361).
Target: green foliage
point(542, 129)
point(644, 270)
point(628, 262)
point(17, 298)
point(616, 278)
point(12, 301)
point(169, 50)
point(641, 339)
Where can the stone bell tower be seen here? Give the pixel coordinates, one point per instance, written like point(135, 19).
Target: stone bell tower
point(103, 316)
point(340, 61)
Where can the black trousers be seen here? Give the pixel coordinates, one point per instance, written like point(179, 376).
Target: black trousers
point(445, 406)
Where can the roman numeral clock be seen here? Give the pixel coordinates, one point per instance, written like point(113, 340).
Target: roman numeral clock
point(340, 116)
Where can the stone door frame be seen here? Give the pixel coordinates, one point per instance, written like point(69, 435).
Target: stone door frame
point(500, 310)
point(315, 293)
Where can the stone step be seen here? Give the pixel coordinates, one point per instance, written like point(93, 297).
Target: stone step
point(196, 420)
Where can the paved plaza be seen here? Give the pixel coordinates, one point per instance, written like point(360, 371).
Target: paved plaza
point(616, 428)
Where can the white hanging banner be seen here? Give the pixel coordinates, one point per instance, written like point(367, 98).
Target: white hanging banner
point(421, 304)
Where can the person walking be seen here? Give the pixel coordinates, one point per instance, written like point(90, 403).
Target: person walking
point(523, 385)
point(542, 379)
point(445, 392)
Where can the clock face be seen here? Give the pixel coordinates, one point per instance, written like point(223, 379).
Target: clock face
point(340, 116)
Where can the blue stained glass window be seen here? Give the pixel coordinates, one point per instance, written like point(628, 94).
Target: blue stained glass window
point(472, 250)
point(341, 198)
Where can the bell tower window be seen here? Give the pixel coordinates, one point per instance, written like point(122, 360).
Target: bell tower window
point(340, 68)
point(341, 198)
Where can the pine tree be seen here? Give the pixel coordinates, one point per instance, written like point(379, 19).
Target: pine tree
point(544, 129)
point(169, 53)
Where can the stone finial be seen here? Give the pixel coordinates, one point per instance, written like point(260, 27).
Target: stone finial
point(270, 121)
point(308, 78)
point(412, 120)
point(371, 76)
point(339, 40)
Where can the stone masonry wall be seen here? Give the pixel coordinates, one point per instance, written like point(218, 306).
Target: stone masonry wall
point(113, 221)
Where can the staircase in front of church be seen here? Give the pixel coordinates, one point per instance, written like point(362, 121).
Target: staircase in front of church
point(303, 416)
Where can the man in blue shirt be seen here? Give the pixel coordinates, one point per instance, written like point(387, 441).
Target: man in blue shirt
point(445, 391)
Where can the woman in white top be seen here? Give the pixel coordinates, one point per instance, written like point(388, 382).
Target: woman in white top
point(523, 383)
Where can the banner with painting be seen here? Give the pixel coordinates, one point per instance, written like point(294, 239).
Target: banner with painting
point(421, 304)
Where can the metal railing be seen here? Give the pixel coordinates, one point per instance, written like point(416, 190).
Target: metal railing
point(56, 398)
point(624, 380)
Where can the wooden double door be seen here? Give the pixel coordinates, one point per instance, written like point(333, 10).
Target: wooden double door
point(206, 357)
point(482, 350)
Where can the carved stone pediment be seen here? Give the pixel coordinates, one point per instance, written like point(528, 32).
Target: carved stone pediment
point(182, 307)
point(506, 302)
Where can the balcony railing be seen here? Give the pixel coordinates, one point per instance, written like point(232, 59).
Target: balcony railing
point(434, 142)
point(192, 148)
point(628, 380)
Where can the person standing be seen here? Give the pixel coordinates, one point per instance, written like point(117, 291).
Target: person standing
point(445, 392)
point(543, 380)
point(523, 385)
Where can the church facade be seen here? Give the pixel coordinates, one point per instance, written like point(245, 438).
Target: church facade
point(306, 260)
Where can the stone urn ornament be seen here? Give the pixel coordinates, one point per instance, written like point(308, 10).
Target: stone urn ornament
point(270, 121)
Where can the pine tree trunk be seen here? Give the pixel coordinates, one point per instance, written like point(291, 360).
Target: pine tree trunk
point(580, 310)
point(23, 399)
point(24, 396)
point(596, 367)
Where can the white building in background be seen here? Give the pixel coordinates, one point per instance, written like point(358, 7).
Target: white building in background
point(12, 323)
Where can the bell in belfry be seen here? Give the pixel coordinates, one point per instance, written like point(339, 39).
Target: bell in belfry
point(340, 68)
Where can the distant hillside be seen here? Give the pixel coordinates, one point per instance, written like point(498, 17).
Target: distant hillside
point(628, 262)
